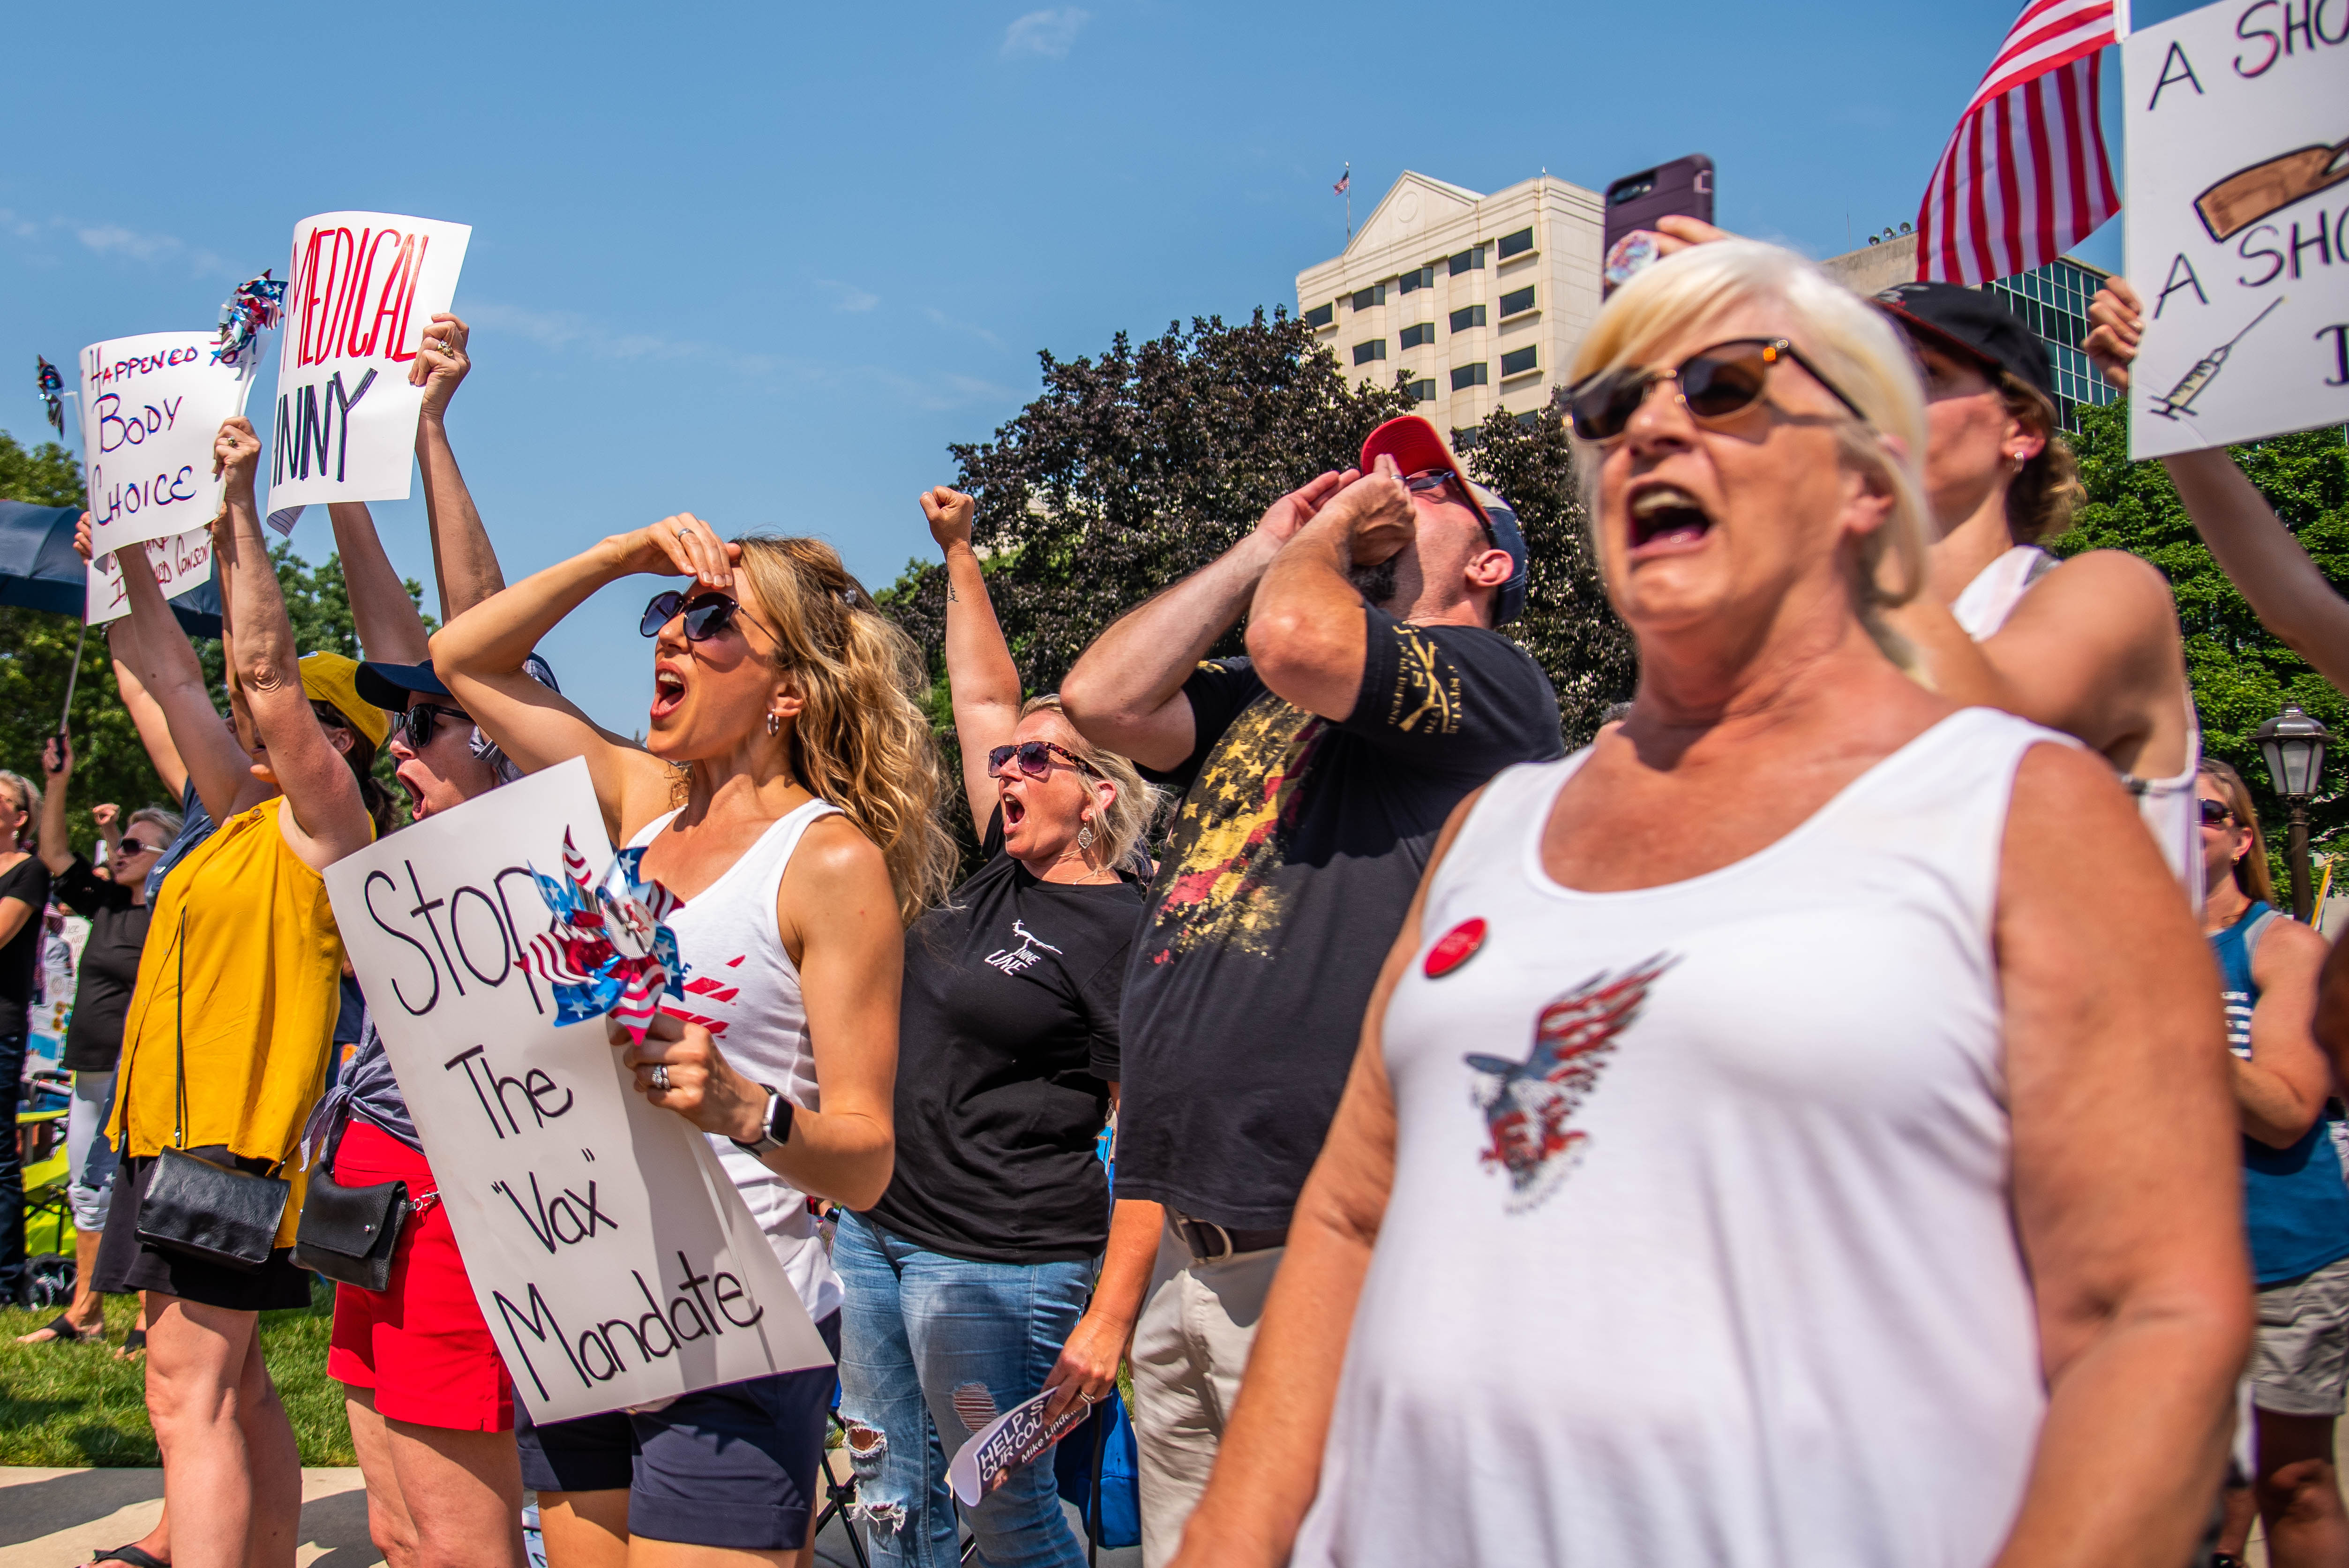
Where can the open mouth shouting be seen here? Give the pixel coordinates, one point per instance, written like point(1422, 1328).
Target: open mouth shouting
point(1666, 519)
point(1015, 812)
point(669, 692)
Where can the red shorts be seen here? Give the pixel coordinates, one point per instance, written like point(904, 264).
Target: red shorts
point(421, 1345)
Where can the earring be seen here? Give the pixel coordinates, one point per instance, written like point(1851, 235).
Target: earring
point(1085, 833)
point(775, 723)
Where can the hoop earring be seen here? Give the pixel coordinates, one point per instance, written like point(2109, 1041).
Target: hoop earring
point(775, 723)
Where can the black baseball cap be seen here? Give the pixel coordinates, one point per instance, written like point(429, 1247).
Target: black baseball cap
point(1974, 324)
point(390, 685)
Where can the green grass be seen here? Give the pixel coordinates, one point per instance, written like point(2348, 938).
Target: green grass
point(77, 1405)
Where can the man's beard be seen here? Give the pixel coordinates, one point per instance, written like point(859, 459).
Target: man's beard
point(1374, 582)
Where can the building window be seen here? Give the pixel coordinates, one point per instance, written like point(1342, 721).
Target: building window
point(1518, 362)
point(1424, 332)
point(1374, 294)
point(1517, 303)
point(1321, 315)
point(1422, 279)
point(1421, 391)
point(1467, 375)
point(1376, 348)
point(1467, 316)
point(1468, 262)
point(1516, 244)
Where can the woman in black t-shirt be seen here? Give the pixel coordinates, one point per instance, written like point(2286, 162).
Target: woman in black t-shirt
point(966, 1285)
point(24, 893)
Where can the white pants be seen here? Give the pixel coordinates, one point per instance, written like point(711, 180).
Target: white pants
point(1190, 1347)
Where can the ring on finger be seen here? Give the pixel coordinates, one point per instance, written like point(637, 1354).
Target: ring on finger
point(660, 1076)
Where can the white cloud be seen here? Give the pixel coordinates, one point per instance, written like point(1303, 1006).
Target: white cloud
point(1048, 34)
point(848, 296)
point(113, 240)
point(940, 318)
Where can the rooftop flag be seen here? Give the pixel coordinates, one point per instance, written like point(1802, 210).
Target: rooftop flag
point(2025, 175)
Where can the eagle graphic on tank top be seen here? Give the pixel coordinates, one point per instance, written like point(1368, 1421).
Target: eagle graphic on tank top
point(1530, 1105)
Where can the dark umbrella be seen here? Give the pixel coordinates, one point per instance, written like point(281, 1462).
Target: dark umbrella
point(39, 570)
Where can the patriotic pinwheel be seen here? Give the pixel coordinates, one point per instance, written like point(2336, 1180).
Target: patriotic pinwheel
point(51, 384)
point(252, 310)
point(611, 950)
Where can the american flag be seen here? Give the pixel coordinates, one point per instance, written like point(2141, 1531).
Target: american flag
point(2025, 175)
point(1345, 180)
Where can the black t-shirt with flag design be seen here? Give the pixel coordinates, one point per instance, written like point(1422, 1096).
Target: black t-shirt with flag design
point(1286, 874)
point(1007, 1045)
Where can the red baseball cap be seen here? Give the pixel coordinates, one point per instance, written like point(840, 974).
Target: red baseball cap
point(1415, 446)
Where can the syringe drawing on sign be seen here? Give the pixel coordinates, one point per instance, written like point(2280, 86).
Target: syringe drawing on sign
point(2179, 399)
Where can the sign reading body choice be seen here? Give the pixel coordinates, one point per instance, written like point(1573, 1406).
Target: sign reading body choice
point(612, 1257)
point(2237, 212)
point(151, 407)
point(364, 287)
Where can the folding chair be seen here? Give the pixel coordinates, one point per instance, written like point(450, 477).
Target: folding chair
point(840, 1495)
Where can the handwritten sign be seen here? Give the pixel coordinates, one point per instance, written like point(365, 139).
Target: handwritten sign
point(182, 564)
point(151, 407)
point(365, 285)
point(612, 1257)
point(2237, 217)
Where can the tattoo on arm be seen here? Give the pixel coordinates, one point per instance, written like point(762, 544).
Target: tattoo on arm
point(952, 597)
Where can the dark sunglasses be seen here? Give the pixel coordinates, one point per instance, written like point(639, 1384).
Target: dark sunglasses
point(2215, 812)
point(1035, 758)
point(418, 723)
point(139, 847)
point(705, 615)
point(1431, 482)
point(1713, 384)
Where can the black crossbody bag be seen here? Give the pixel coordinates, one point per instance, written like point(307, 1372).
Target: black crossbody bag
point(346, 1233)
point(193, 1206)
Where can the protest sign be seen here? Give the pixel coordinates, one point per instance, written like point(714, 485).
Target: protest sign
point(1018, 1436)
point(613, 1259)
point(2237, 217)
point(365, 285)
point(183, 563)
point(151, 407)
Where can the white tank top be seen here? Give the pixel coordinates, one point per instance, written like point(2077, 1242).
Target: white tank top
point(2166, 805)
point(1699, 1250)
point(744, 989)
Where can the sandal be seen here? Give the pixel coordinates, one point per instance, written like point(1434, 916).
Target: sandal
point(59, 1329)
point(132, 1554)
point(133, 1344)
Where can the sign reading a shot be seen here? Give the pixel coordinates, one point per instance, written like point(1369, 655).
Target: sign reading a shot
point(612, 1258)
point(365, 286)
point(2238, 222)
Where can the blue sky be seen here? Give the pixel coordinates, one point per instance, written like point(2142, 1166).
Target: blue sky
point(764, 263)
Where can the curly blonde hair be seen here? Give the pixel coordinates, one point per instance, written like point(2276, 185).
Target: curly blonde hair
point(862, 741)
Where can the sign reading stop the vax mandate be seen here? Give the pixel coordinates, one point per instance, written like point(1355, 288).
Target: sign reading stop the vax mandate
point(612, 1257)
point(2238, 222)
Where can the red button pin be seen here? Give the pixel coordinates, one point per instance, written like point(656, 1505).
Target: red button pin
point(1455, 947)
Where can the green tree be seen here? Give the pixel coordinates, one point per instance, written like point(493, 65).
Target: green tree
point(45, 475)
point(2242, 674)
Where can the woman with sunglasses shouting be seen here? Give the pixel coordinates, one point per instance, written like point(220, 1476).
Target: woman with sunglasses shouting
point(787, 791)
point(1748, 1157)
point(967, 1283)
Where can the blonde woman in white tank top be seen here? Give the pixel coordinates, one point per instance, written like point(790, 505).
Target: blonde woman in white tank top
point(786, 793)
point(1744, 1162)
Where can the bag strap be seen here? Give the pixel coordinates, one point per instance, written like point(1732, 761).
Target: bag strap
point(179, 1040)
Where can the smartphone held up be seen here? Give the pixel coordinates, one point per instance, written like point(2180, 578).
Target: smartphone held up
point(1680, 189)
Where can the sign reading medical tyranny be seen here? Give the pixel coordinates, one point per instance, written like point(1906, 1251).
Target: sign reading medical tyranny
point(2238, 213)
point(612, 1257)
point(151, 407)
point(365, 286)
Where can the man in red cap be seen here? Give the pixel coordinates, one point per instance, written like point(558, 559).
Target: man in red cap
point(1317, 772)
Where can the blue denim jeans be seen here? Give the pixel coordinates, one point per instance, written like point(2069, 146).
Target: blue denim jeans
point(924, 1336)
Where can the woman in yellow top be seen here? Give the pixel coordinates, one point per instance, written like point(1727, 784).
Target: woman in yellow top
point(239, 981)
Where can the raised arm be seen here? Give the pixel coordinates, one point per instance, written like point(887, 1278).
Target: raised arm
point(2251, 545)
point(2134, 1246)
point(57, 766)
point(146, 714)
point(1306, 629)
point(219, 765)
point(463, 564)
point(1125, 694)
point(981, 679)
point(390, 628)
point(324, 818)
point(479, 656)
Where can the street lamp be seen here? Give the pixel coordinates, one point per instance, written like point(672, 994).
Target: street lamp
point(2293, 745)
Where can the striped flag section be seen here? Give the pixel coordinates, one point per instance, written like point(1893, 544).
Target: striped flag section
point(2024, 176)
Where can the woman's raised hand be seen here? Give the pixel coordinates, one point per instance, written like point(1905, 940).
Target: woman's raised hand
point(949, 512)
point(81, 537)
point(682, 545)
point(440, 362)
point(236, 452)
point(2117, 322)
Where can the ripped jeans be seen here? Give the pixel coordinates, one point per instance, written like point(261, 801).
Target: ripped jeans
point(932, 1349)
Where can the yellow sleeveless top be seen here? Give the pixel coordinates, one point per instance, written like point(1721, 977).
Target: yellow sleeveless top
point(242, 969)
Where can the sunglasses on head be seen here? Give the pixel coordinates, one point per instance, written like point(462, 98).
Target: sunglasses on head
point(418, 723)
point(1035, 758)
point(705, 615)
point(1713, 384)
point(2216, 812)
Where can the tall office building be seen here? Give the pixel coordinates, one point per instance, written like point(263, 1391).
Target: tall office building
point(2053, 300)
point(1480, 299)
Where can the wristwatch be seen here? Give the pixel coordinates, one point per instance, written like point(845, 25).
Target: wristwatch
point(775, 1126)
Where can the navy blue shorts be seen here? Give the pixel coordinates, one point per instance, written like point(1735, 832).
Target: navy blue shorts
point(733, 1466)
